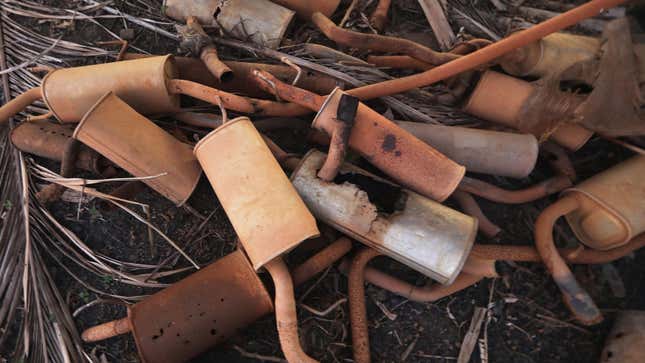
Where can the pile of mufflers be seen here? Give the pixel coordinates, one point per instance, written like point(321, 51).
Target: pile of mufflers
point(102, 112)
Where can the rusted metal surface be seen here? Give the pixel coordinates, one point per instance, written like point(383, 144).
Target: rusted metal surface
point(494, 193)
point(379, 43)
point(193, 70)
point(18, 104)
point(480, 151)
point(378, 19)
point(416, 231)
point(47, 140)
point(486, 54)
point(575, 297)
point(336, 117)
point(625, 341)
point(194, 39)
point(399, 154)
point(285, 312)
point(469, 206)
point(259, 21)
point(611, 205)
point(306, 8)
point(550, 55)
point(502, 99)
point(321, 260)
point(357, 309)
point(140, 147)
point(264, 208)
point(70, 92)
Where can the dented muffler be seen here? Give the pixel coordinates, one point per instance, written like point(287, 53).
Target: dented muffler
point(193, 315)
point(265, 210)
point(396, 152)
point(259, 21)
point(48, 140)
point(414, 230)
point(605, 212)
point(550, 55)
point(480, 151)
point(140, 147)
point(506, 100)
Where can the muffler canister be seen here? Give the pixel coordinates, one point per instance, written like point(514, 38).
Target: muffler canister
point(414, 230)
point(611, 207)
point(260, 21)
point(480, 151)
point(501, 99)
point(268, 215)
point(48, 140)
point(140, 147)
point(550, 55)
point(70, 92)
point(194, 314)
point(625, 341)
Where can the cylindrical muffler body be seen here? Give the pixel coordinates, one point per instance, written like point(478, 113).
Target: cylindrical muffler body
point(480, 151)
point(266, 211)
point(200, 311)
point(401, 155)
point(625, 341)
point(551, 55)
point(70, 92)
point(414, 230)
point(501, 99)
point(260, 21)
point(140, 147)
point(48, 140)
point(612, 206)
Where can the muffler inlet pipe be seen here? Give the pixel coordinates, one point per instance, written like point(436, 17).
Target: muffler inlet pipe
point(499, 195)
point(208, 54)
point(379, 42)
point(357, 309)
point(235, 102)
point(469, 206)
point(19, 103)
point(575, 297)
point(484, 55)
point(285, 312)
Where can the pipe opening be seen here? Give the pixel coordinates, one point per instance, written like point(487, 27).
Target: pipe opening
point(386, 197)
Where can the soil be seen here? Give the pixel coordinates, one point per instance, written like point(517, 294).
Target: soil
point(528, 320)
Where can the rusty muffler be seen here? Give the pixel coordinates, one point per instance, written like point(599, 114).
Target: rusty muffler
point(387, 146)
point(140, 147)
point(550, 55)
point(503, 99)
point(605, 212)
point(259, 21)
point(193, 315)
point(625, 341)
point(306, 8)
point(48, 140)
point(480, 151)
point(412, 229)
point(264, 208)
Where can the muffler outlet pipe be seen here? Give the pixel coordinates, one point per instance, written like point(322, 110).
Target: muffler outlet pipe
point(119, 133)
point(396, 152)
point(264, 208)
point(485, 55)
point(414, 230)
point(379, 43)
point(306, 8)
point(260, 21)
point(469, 206)
point(47, 140)
point(19, 104)
point(550, 55)
point(192, 69)
point(208, 52)
point(625, 340)
point(604, 212)
point(480, 151)
point(493, 193)
point(321, 260)
point(503, 100)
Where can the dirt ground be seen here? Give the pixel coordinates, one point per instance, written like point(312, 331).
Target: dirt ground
point(529, 322)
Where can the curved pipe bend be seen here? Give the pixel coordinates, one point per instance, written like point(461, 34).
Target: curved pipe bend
point(379, 43)
point(18, 104)
point(527, 195)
